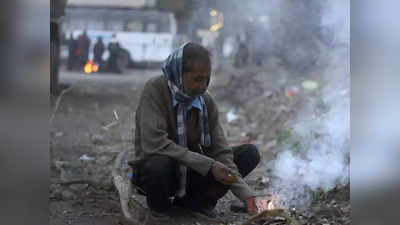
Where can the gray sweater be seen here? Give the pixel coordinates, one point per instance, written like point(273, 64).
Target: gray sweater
point(156, 134)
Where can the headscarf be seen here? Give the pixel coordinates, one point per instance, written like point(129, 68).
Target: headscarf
point(173, 72)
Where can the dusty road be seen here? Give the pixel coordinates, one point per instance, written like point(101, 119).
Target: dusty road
point(130, 76)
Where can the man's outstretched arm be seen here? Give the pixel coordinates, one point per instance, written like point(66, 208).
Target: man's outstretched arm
point(222, 152)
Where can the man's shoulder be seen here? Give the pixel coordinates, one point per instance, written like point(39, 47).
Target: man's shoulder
point(154, 84)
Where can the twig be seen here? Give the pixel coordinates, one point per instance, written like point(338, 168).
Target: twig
point(108, 126)
point(68, 183)
point(116, 114)
point(58, 103)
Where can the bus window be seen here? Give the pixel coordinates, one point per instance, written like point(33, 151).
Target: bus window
point(134, 26)
point(115, 25)
point(95, 25)
point(164, 27)
point(77, 24)
point(151, 28)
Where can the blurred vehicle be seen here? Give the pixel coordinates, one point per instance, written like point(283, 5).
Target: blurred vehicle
point(145, 36)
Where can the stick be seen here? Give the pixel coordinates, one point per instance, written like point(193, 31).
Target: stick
point(108, 126)
point(68, 183)
point(58, 103)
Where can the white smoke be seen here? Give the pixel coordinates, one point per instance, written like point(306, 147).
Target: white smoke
point(320, 160)
point(316, 156)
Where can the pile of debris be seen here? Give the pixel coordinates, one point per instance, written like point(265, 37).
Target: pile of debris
point(253, 109)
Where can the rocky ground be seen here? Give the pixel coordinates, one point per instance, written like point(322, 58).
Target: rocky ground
point(93, 120)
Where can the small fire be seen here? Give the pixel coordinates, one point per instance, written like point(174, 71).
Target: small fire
point(270, 205)
point(91, 67)
point(263, 204)
point(88, 68)
point(95, 68)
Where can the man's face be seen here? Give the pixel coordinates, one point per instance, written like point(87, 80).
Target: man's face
point(196, 81)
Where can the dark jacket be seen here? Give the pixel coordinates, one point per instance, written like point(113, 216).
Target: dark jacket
point(156, 134)
point(98, 51)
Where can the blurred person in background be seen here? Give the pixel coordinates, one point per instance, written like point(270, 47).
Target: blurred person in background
point(180, 147)
point(242, 55)
point(98, 51)
point(114, 49)
point(72, 53)
point(83, 46)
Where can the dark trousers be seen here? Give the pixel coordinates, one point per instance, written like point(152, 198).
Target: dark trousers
point(158, 177)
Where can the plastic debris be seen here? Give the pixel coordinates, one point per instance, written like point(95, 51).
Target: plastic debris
point(97, 139)
point(85, 157)
point(309, 85)
point(231, 116)
point(59, 134)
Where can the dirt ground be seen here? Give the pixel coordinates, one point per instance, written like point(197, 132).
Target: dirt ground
point(93, 120)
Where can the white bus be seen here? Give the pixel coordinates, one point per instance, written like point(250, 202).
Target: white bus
point(148, 35)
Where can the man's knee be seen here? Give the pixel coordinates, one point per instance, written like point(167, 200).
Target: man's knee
point(157, 166)
point(253, 153)
point(157, 178)
point(246, 158)
point(249, 152)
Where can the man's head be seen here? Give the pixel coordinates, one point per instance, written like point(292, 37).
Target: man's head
point(196, 69)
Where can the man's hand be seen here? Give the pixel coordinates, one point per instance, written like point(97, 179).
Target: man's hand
point(223, 174)
point(251, 206)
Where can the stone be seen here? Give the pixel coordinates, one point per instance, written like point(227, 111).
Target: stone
point(97, 139)
point(67, 195)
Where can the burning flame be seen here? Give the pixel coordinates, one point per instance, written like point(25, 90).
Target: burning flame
point(263, 204)
point(91, 67)
point(88, 68)
point(95, 68)
point(270, 205)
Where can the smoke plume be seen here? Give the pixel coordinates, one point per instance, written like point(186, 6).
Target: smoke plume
point(316, 156)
